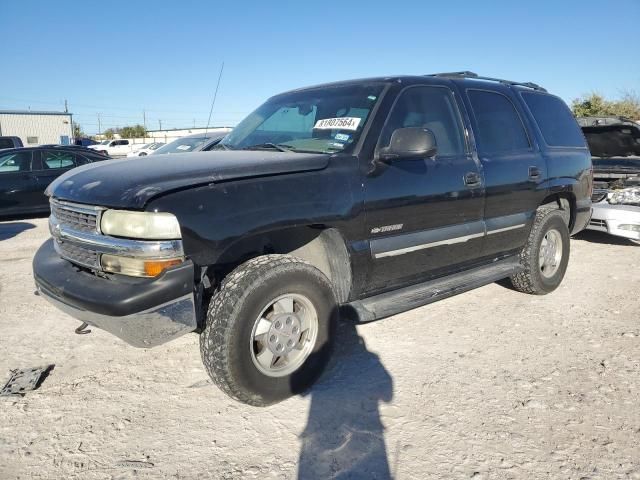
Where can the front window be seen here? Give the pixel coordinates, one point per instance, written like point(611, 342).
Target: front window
point(15, 162)
point(320, 120)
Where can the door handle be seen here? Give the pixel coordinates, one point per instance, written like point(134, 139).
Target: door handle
point(534, 173)
point(471, 179)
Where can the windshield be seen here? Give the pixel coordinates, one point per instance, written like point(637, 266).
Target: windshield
point(321, 120)
point(181, 145)
point(155, 146)
point(104, 142)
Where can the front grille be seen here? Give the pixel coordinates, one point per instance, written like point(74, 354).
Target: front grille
point(83, 219)
point(598, 196)
point(80, 255)
point(75, 218)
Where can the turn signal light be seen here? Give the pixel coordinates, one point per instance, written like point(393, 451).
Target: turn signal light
point(153, 268)
point(137, 267)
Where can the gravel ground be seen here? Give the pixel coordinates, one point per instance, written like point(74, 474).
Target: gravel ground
point(489, 384)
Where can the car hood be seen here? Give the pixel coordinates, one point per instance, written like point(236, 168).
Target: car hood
point(131, 183)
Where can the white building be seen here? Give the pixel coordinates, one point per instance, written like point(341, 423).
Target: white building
point(37, 128)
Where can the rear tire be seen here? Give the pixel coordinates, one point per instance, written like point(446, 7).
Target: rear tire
point(269, 329)
point(545, 256)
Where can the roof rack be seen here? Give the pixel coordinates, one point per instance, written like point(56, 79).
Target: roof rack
point(475, 76)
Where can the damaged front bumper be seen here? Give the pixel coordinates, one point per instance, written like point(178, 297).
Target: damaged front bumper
point(144, 312)
point(619, 220)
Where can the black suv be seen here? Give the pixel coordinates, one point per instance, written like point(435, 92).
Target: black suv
point(366, 197)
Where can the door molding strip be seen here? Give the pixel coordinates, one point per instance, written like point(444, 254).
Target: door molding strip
point(410, 242)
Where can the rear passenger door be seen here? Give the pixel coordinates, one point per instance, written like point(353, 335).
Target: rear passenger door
point(514, 169)
point(49, 166)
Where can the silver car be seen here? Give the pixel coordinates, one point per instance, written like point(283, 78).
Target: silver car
point(615, 148)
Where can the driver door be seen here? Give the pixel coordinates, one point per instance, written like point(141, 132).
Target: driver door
point(424, 216)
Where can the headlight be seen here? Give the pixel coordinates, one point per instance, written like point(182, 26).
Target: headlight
point(142, 225)
point(137, 267)
point(626, 196)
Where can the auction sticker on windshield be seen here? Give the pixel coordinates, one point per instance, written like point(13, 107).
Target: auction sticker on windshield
point(341, 123)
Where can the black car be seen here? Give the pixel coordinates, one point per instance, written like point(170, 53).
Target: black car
point(366, 197)
point(25, 173)
point(197, 142)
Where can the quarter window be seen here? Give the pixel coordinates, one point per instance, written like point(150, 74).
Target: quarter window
point(499, 127)
point(429, 107)
point(557, 125)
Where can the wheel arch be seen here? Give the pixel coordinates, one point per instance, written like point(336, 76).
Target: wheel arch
point(565, 201)
point(323, 247)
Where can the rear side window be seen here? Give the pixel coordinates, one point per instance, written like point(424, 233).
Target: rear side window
point(6, 143)
point(558, 127)
point(53, 160)
point(499, 127)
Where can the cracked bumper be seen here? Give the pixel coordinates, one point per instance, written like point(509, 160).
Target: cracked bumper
point(142, 312)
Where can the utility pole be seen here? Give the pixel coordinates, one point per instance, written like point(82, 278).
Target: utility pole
point(66, 106)
point(160, 123)
point(99, 126)
point(144, 120)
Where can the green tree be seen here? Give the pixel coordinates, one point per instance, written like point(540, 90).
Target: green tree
point(596, 105)
point(109, 133)
point(137, 131)
point(77, 131)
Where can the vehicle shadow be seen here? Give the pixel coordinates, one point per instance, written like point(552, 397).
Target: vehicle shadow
point(11, 229)
point(594, 236)
point(344, 435)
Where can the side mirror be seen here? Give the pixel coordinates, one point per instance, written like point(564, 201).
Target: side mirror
point(409, 142)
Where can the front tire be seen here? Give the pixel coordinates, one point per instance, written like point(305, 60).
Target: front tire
point(269, 329)
point(545, 256)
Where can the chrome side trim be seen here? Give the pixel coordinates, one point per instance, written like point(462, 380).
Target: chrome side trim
point(506, 229)
point(410, 242)
point(450, 241)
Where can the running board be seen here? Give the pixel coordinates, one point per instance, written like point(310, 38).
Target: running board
point(398, 301)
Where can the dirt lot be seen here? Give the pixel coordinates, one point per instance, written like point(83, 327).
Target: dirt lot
point(490, 384)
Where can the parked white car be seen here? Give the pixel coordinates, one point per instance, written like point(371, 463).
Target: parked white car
point(114, 148)
point(145, 149)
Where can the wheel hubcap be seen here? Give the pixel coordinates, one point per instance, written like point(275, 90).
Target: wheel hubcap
point(550, 253)
point(284, 335)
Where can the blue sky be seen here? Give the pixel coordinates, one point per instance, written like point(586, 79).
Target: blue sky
point(119, 58)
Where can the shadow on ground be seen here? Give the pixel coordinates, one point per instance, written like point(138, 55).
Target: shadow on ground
point(594, 236)
point(344, 435)
point(11, 229)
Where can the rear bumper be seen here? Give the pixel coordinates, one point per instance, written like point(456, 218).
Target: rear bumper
point(142, 312)
point(619, 220)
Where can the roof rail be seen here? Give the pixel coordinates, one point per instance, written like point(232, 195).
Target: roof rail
point(475, 76)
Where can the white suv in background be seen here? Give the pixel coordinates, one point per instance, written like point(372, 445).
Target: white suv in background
point(146, 149)
point(114, 148)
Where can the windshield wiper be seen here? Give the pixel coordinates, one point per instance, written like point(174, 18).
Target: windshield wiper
point(281, 147)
